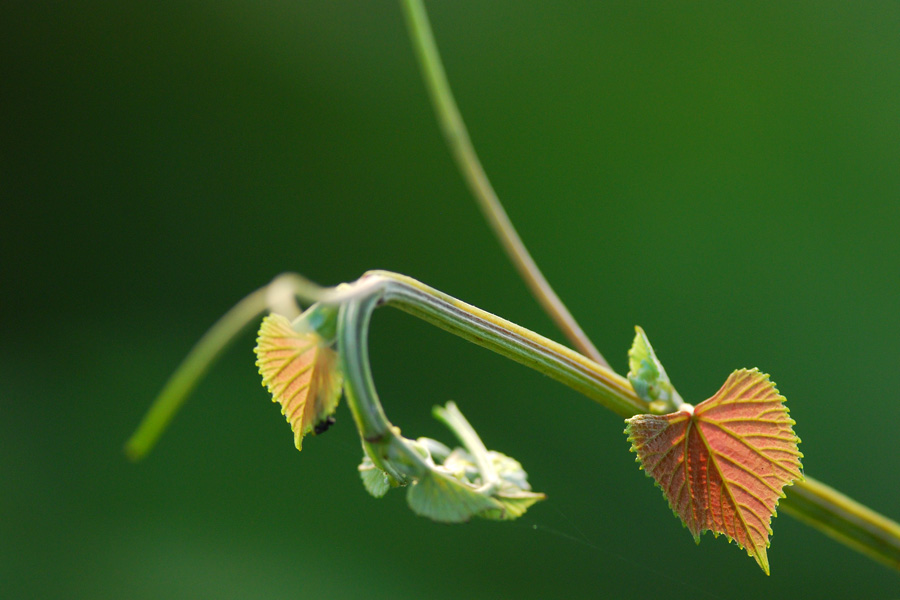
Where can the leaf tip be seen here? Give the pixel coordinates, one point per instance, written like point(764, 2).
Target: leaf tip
point(762, 559)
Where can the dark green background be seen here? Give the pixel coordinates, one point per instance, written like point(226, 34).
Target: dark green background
point(723, 174)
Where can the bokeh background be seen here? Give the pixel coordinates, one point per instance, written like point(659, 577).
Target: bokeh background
point(723, 174)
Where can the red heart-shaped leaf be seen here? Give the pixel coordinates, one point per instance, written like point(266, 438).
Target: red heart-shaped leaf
point(723, 464)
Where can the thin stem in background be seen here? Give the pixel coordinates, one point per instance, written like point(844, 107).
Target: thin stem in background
point(191, 371)
point(457, 137)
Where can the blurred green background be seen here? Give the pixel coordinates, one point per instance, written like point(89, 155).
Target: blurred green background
point(723, 174)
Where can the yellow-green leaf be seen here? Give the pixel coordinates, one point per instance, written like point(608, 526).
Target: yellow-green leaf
point(300, 371)
point(376, 481)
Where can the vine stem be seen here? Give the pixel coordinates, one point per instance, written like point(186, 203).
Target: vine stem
point(810, 501)
point(192, 369)
point(457, 138)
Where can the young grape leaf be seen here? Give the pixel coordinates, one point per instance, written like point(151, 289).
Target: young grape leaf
point(452, 486)
point(300, 371)
point(443, 498)
point(648, 377)
point(376, 481)
point(513, 492)
point(723, 464)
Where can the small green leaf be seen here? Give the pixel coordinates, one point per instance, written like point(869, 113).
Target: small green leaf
point(300, 371)
point(376, 481)
point(513, 492)
point(452, 486)
point(647, 375)
point(441, 497)
point(514, 505)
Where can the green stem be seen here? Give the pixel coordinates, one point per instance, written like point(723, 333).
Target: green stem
point(353, 327)
point(845, 520)
point(381, 441)
point(457, 137)
point(512, 341)
point(810, 501)
point(191, 371)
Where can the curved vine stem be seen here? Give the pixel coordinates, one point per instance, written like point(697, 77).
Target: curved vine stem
point(811, 501)
point(191, 371)
point(457, 137)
